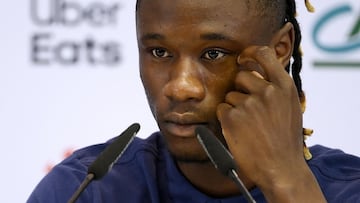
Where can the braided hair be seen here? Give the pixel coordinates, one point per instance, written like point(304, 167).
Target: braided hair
point(297, 63)
point(297, 53)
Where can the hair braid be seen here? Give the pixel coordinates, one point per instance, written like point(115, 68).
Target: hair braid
point(297, 63)
point(297, 55)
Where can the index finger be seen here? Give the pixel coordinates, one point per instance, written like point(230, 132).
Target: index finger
point(266, 58)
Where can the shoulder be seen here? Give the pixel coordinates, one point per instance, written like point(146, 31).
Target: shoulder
point(87, 155)
point(335, 162)
point(338, 173)
point(64, 178)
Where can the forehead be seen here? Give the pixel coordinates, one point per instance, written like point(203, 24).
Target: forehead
point(232, 16)
point(194, 6)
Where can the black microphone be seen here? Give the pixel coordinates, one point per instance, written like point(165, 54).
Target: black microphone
point(221, 158)
point(104, 162)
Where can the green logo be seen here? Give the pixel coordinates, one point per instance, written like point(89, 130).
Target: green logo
point(356, 30)
point(349, 45)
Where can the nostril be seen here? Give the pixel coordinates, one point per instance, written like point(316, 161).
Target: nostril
point(182, 89)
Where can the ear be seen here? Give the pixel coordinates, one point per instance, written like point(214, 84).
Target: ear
point(283, 43)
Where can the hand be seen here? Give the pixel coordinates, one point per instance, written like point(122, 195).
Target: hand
point(262, 123)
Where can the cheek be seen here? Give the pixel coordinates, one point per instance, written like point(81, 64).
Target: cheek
point(217, 92)
point(222, 83)
point(152, 84)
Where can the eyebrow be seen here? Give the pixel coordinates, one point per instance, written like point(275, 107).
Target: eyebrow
point(207, 36)
point(216, 36)
point(152, 36)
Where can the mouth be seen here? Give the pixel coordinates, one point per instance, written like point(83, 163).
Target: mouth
point(182, 130)
point(182, 125)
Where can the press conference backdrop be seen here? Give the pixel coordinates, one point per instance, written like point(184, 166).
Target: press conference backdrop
point(69, 78)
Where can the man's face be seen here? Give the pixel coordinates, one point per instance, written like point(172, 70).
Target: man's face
point(188, 51)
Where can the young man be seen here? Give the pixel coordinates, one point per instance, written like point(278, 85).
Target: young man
point(222, 65)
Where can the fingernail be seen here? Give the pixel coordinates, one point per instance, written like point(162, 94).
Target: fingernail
point(257, 74)
point(238, 59)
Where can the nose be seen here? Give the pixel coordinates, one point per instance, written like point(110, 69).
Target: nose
point(186, 81)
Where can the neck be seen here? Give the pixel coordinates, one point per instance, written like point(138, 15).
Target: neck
point(209, 180)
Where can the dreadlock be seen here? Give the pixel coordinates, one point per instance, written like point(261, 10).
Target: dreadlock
point(297, 62)
point(297, 55)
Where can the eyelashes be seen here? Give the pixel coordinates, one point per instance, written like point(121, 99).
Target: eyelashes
point(211, 54)
point(160, 53)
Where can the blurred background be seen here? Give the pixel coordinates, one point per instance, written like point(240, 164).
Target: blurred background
point(69, 78)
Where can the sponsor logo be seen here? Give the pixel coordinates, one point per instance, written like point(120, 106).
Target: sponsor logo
point(337, 33)
point(60, 37)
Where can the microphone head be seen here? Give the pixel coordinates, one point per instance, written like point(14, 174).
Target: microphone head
point(112, 152)
point(218, 154)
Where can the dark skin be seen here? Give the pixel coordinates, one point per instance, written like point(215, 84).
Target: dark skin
point(219, 66)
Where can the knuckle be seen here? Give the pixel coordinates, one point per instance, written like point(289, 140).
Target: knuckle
point(270, 91)
point(262, 52)
point(249, 103)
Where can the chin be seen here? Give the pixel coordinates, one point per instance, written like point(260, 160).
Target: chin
point(190, 158)
point(187, 150)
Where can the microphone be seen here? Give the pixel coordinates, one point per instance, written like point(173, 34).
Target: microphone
point(221, 158)
point(104, 162)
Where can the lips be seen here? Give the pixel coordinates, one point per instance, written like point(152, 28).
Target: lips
point(182, 125)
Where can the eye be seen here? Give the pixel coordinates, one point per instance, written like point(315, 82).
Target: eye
point(160, 53)
point(214, 54)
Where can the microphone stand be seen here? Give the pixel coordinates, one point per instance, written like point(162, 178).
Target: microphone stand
point(234, 176)
point(104, 162)
point(89, 177)
point(221, 158)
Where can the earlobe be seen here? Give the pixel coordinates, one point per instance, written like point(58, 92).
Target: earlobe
point(283, 43)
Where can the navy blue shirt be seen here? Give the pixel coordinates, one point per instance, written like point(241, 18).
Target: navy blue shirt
point(147, 173)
